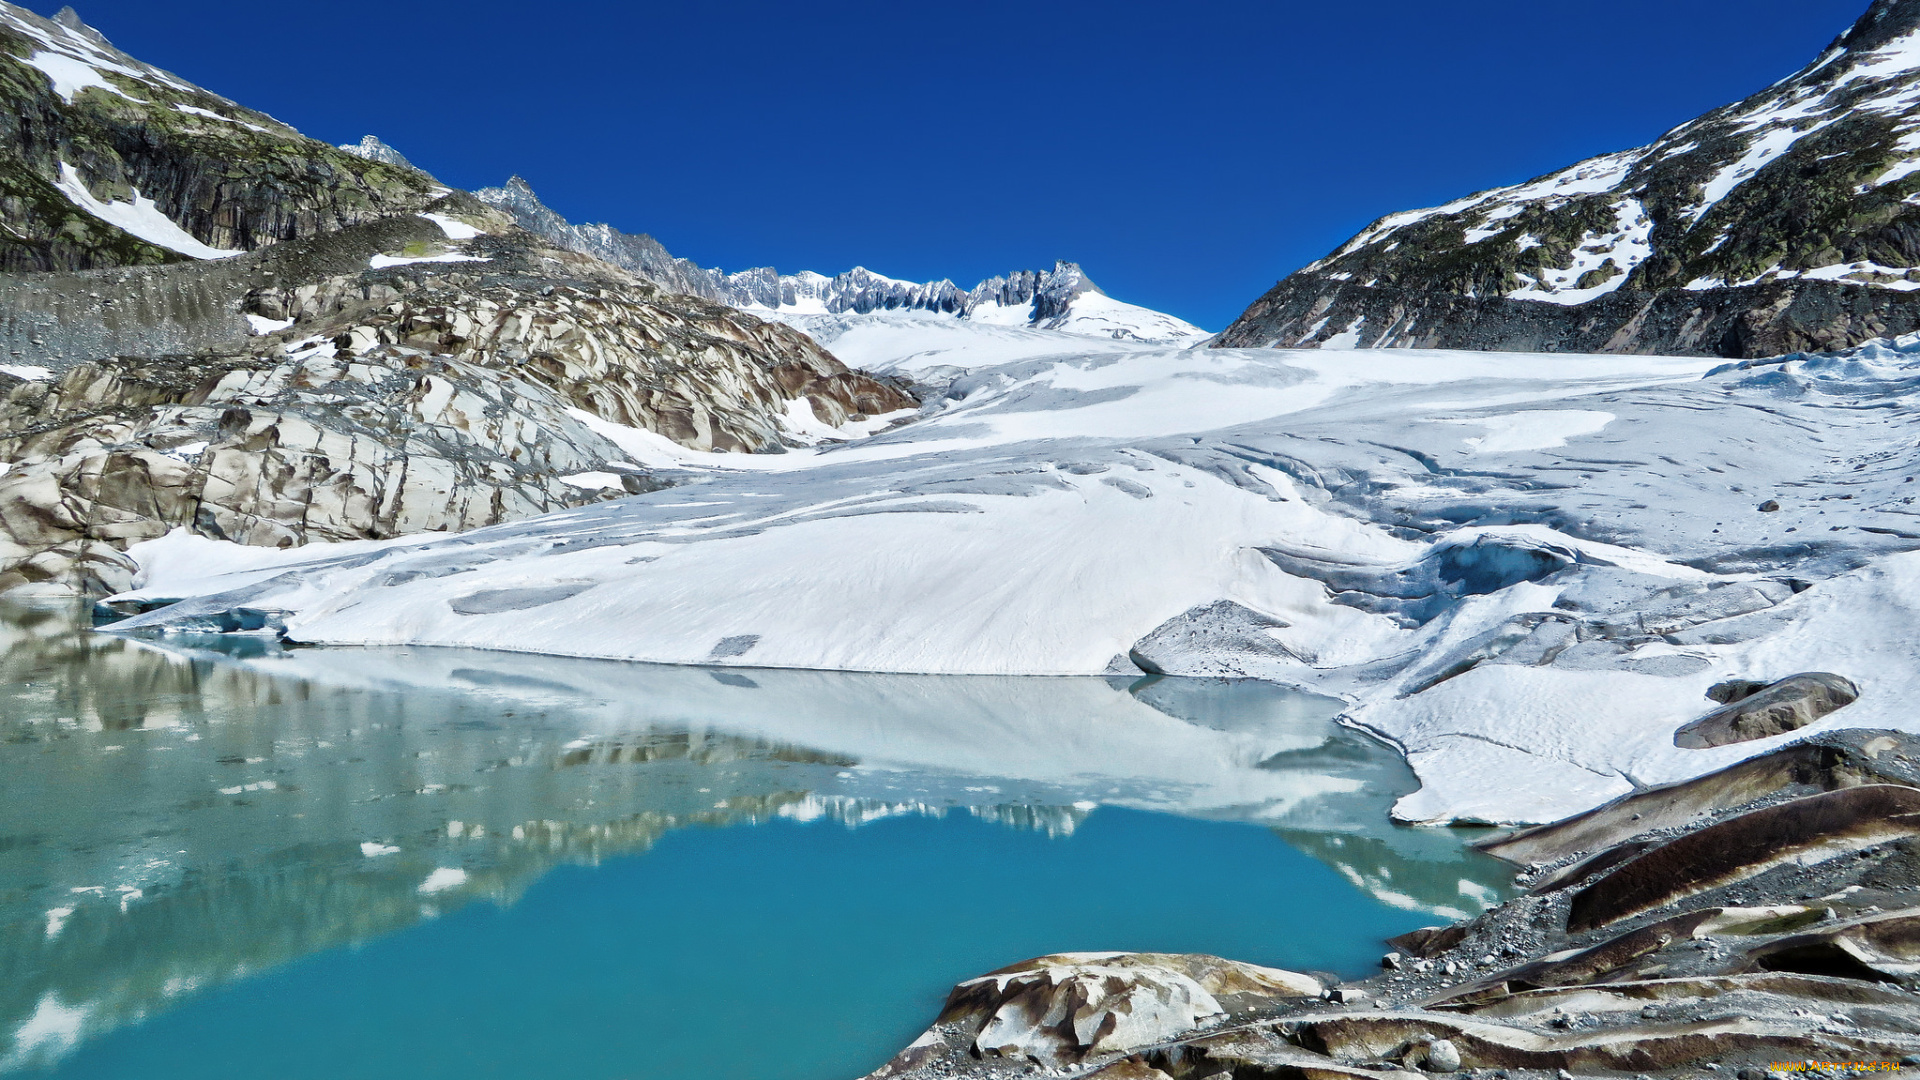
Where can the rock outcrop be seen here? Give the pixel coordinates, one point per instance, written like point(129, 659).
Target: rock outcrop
point(635, 252)
point(1766, 913)
point(209, 321)
point(372, 149)
point(1782, 223)
point(402, 381)
point(1063, 1009)
point(1761, 710)
point(114, 162)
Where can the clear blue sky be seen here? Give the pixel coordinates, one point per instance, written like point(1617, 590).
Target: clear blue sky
point(1188, 154)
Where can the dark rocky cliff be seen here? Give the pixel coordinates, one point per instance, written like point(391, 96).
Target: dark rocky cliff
point(233, 178)
point(1785, 221)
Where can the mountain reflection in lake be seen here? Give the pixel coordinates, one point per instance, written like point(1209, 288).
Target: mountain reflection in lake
point(187, 825)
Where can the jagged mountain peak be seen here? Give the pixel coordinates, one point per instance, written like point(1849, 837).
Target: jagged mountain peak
point(371, 148)
point(71, 19)
point(1883, 22)
point(1050, 299)
point(1788, 220)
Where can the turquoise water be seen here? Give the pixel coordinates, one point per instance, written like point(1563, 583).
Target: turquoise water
point(222, 858)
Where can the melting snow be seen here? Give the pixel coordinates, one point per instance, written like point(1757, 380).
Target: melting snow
point(139, 218)
point(381, 262)
point(1541, 429)
point(594, 481)
point(71, 75)
point(1348, 338)
point(29, 372)
point(1623, 249)
point(454, 228)
point(260, 324)
point(195, 110)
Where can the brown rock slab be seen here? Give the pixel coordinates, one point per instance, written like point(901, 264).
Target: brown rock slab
point(1747, 845)
point(1787, 705)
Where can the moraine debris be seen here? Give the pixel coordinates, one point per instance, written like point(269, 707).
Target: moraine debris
point(1766, 913)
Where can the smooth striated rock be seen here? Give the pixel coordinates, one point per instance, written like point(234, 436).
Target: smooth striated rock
point(1745, 931)
point(1787, 705)
point(1747, 845)
point(1064, 1008)
point(419, 397)
point(1826, 762)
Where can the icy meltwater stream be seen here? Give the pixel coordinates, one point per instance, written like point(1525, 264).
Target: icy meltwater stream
point(222, 858)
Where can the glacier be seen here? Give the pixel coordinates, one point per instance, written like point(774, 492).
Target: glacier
point(1522, 570)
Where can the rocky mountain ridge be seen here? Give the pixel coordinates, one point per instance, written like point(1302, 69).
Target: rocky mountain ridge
point(115, 162)
point(209, 321)
point(1787, 221)
point(1736, 925)
point(472, 376)
point(370, 148)
point(1045, 299)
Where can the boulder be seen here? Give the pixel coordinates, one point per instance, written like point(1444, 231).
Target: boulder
point(1065, 1008)
point(1787, 705)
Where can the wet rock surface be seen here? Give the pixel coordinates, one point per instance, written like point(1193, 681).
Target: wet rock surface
point(1768, 913)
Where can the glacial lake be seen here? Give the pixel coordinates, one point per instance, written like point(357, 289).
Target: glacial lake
point(221, 857)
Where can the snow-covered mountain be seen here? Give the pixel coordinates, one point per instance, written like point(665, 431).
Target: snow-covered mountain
point(371, 148)
point(1790, 220)
point(1062, 298)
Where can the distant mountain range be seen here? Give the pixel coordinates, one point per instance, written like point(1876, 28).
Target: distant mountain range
point(1062, 298)
point(1787, 221)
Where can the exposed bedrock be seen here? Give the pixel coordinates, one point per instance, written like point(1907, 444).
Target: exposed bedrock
point(1766, 913)
point(446, 386)
point(1761, 711)
point(230, 177)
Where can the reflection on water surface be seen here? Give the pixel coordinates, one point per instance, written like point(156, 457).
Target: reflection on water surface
point(188, 826)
